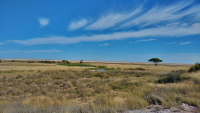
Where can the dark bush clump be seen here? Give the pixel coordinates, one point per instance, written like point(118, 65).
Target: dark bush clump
point(172, 77)
point(45, 61)
point(140, 69)
point(102, 67)
point(195, 68)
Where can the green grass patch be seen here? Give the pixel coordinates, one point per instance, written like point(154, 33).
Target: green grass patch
point(101, 67)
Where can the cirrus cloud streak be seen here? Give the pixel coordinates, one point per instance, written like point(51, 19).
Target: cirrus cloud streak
point(76, 25)
point(183, 43)
point(169, 31)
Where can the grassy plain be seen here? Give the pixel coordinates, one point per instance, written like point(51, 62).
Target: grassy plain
point(43, 88)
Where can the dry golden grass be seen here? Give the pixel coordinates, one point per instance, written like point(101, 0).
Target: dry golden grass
point(47, 85)
point(33, 66)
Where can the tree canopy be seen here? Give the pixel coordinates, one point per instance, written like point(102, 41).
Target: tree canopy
point(65, 61)
point(155, 61)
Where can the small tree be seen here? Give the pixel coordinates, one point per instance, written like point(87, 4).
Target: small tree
point(63, 61)
point(195, 68)
point(0, 61)
point(81, 61)
point(67, 62)
point(155, 61)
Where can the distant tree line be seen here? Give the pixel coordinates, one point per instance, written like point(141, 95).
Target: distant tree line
point(46, 61)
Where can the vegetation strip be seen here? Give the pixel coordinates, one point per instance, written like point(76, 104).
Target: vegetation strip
point(86, 65)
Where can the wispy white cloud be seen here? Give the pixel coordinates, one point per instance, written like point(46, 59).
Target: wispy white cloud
point(164, 13)
point(183, 43)
point(32, 51)
point(1, 43)
point(142, 17)
point(171, 43)
point(105, 44)
point(175, 31)
point(78, 24)
point(145, 40)
point(43, 21)
point(111, 20)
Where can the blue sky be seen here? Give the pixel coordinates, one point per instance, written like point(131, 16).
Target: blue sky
point(102, 30)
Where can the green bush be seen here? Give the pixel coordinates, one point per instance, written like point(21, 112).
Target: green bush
point(173, 77)
point(0, 61)
point(195, 68)
point(102, 67)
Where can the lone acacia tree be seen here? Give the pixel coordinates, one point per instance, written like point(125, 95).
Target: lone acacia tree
point(155, 61)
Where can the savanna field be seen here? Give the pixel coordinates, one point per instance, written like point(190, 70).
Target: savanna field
point(32, 87)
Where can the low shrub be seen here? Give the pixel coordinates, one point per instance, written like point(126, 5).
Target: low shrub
point(195, 68)
point(140, 69)
point(129, 69)
point(74, 82)
point(124, 84)
point(102, 75)
point(102, 67)
point(172, 77)
point(154, 100)
point(19, 76)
